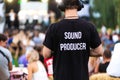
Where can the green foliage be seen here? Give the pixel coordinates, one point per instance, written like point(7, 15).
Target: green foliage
point(109, 11)
point(19, 1)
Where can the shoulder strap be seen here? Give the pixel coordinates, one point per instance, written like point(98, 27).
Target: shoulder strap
point(5, 56)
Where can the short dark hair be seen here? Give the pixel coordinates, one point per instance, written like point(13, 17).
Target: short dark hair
point(70, 4)
point(107, 53)
point(3, 37)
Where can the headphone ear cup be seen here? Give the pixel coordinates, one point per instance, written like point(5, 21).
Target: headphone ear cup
point(61, 7)
point(80, 5)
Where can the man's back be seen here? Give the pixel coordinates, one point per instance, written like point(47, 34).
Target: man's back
point(71, 42)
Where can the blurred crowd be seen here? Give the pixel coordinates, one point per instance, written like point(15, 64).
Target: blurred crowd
point(23, 40)
point(26, 49)
point(106, 67)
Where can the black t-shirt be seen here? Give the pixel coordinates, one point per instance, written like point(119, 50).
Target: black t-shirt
point(71, 40)
point(103, 67)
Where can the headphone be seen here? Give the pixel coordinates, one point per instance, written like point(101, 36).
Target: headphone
point(1, 1)
point(64, 3)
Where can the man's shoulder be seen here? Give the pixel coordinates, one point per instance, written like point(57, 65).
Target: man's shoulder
point(86, 22)
point(4, 49)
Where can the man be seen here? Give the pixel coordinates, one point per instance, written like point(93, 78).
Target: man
point(5, 59)
point(71, 41)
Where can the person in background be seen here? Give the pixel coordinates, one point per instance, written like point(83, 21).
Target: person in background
point(36, 38)
point(71, 41)
point(118, 41)
point(49, 67)
point(22, 56)
point(18, 51)
point(113, 68)
point(39, 49)
point(5, 59)
point(11, 16)
point(102, 66)
point(36, 69)
point(103, 29)
point(13, 49)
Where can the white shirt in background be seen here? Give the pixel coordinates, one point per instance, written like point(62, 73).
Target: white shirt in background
point(113, 68)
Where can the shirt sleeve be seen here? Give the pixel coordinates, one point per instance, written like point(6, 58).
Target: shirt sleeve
point(95, 39)
point(49, 38)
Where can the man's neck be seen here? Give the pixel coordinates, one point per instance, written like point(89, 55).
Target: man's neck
point(71, 14)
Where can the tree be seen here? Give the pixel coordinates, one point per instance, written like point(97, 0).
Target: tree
point(117, 10)
point(109, 12)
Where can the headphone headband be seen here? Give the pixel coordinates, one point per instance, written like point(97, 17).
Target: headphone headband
point(66, 3)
